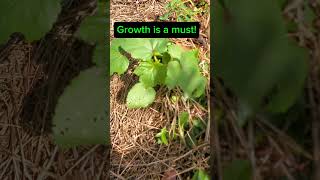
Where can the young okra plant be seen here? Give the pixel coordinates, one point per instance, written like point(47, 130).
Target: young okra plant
point(160, 63)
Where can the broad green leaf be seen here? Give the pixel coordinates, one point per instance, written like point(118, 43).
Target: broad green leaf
point(144, 48)
point(93, 28)
point(237, 170)
point(151, 73)
point(173, 74)
point(175, 51)
point(192, 83)
point(201, 87)
point(200, 175)
point(186, 74)
point(140, 96)
point(254, 61)
point(159, 45)
point(118, 63)
point(189, 60)
point(87, 120)
point(33, 18)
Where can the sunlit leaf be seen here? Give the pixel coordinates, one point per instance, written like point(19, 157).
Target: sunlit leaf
point(144, 48)
point(140, 96)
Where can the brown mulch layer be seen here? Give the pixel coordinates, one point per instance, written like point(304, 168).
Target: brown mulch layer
point(135, 153)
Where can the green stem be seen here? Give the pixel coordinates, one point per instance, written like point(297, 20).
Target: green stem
point(156, 59)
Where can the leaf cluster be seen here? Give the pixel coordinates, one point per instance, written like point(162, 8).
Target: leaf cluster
point(159, 63)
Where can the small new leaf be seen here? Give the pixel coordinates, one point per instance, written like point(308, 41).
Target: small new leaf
point(162, 137)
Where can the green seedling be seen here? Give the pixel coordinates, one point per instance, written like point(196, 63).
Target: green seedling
point(162, 137)
point(160, 63)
